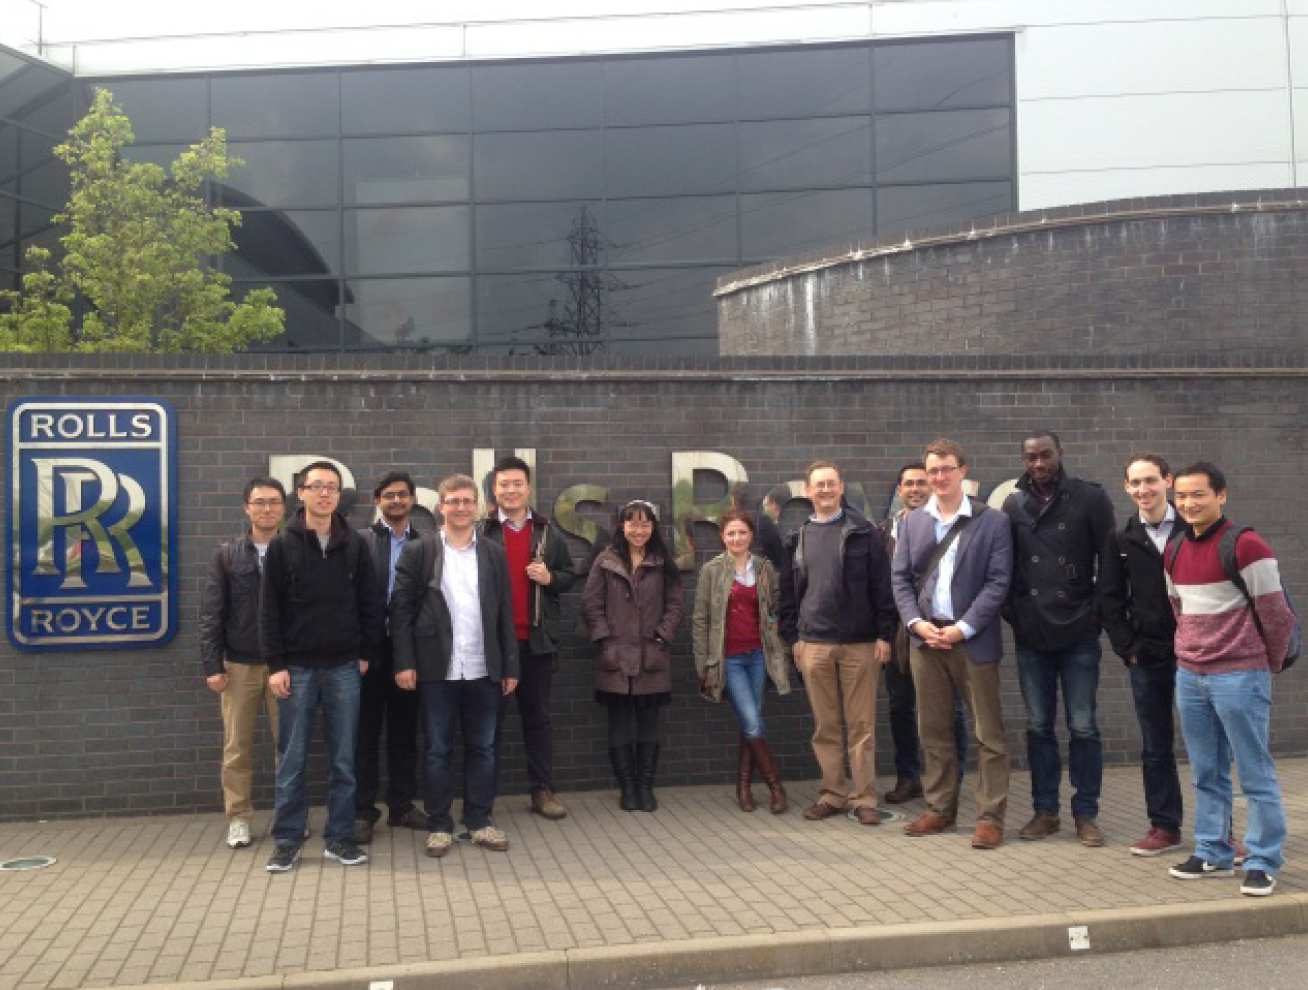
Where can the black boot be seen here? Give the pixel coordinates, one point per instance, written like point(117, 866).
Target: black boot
point(624, 768)
point(647, 764)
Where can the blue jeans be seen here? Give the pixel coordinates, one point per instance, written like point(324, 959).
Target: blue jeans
point(1040, 673)
point(476, 706)
point(336, 691)
point(1221, 715)
point(744, 674)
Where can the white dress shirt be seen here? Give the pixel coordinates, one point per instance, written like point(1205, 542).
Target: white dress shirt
point(462, 597)
point(942, 601)
point(1160, 533)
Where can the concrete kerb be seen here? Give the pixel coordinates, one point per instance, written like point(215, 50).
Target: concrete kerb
point(645, 966)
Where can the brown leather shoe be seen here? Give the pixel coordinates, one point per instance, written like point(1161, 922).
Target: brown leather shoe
point(1090, 834)
point(928, 823)
point(545, 804)
point(1041, 826)
point(906, 788)
point(867, 815)
point(988, 835)
point(819, 810)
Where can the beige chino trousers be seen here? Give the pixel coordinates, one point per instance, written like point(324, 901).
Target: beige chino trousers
point(247, 688)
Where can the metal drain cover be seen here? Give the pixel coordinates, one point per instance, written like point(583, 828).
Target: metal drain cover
point(886, 815)
point(27, 863)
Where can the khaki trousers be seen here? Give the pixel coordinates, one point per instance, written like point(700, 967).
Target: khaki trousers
point(247, 687)
point(837, 674)
point(936, 675)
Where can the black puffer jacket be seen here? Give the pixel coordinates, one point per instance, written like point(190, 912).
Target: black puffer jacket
point(1058, 550)
point(1137, 615)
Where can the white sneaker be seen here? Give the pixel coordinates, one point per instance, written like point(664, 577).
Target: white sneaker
point(238, 834)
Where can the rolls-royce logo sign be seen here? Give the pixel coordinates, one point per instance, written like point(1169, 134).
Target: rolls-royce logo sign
point(92, 523)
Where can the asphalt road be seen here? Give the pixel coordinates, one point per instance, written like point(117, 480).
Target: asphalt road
point(1268, 964)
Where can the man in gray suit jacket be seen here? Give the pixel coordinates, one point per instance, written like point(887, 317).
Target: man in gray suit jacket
point(950, 575)
point(452, 637)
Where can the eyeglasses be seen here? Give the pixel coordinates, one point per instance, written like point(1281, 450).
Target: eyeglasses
point(943, 471)
point(266, 503)
point(320, 488)
point(458, 503)
point(394, 496)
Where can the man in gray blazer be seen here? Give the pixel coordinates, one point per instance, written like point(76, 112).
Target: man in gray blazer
point(452, 637)
point(950, 575)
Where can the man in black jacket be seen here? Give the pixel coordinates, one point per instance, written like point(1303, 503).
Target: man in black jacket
point(452, 637)
point(838, 612)
point(320, 621)
point(229, 648)
point(1140, 624)
point(381, 701)
point(1062, 539)
point(540, 570)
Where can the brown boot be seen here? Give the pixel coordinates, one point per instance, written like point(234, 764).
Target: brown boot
point(744, 776)
point(767, 768)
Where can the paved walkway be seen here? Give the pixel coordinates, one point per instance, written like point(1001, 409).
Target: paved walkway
point(159, 900)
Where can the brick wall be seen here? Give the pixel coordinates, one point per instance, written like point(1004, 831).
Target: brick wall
point(92, 733)
point(1149, 276)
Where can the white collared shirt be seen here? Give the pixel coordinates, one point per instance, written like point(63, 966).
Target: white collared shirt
point(516, 527)
point(747, 578)
point(1160, 533)
point(942, 601)
point(462, 597)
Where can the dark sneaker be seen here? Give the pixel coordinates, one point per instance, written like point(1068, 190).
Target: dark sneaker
point(905, 789)
point(283, 859)
point(345, 852)
point(1256, 883)
point(413, 818)
point(361, 832)
point(1195, 868)
point(1156, 842)
point(1041, 826)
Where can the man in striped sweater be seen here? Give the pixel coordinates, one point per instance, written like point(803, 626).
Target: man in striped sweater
point(1223, 681)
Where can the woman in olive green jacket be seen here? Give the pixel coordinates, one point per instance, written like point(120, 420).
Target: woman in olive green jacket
point(737, 647)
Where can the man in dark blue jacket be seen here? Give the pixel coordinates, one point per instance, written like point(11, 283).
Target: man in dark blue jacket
point(837, 611)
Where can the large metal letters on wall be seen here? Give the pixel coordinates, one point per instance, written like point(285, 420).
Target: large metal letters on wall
point(92, 523)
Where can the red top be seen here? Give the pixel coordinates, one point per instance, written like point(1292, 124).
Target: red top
point(517, 547)
point(742, 621)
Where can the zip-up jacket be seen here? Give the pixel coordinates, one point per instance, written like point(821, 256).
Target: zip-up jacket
point(547, 545)
point(1058, 549)
point(866, 609)
point(1133, 593)
point(319, 607)
point(229, 607)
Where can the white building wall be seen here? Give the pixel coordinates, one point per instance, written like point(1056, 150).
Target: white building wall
point(1115, 98)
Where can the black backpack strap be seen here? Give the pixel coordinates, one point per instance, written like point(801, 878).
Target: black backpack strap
point(1171, 549)
point(1226, 552)
point(428, 543)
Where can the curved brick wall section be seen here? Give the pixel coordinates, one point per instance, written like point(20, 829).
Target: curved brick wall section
point(1197, 273)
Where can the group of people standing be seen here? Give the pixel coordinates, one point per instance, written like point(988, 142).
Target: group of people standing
point(388, 626)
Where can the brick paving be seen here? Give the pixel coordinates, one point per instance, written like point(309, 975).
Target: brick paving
point(161, 899)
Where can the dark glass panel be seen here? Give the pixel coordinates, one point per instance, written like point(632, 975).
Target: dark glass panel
point(670, 161)
point(901, 208)
point(26, 87)
point(8, 219)
point(8, 150)
point(289, 242)
point(795, 154)
point(395, 101)
point(669, 90)
point(536, 235)
point(523, 309)
point(406, 169)
point(408, 312)
point(804, 83)
point(413, 239)
point(700, 228)
point(46, 184)
point(284, 173)
point(52, 115)
point(161, 110)
point(926, 75)
point(777, 225)
point(537, 95)
point(311, 308)
point(668, 310)
point(280, 105)
point(539, 165)
point(162, 155)
point(933, 147)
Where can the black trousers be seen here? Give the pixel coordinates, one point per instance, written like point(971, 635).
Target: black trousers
point(381, 703)
point(1153, 689)
point(533, 695)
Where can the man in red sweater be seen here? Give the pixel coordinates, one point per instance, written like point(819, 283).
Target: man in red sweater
point(1226, 652)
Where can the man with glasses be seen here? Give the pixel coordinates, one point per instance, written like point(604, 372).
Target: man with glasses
point(229, 648)
point(452, 633)
point(837, 611)
point(381, 701)
point(320, 621)
point(540, 570)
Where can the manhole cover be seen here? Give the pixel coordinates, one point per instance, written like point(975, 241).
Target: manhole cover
point(886, 815)
point(27, 863)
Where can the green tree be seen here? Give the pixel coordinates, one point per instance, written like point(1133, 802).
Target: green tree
point(138, 251)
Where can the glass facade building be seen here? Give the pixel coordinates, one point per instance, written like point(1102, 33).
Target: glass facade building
point(563, 206)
